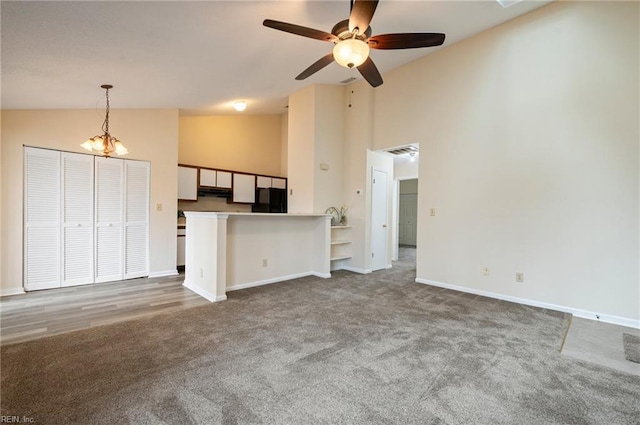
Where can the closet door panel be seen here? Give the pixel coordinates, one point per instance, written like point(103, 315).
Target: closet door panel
point(136, 225)
point(41, 219)
point(109, 184)
point(77, 219)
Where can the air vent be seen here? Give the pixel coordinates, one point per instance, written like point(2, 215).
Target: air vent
point(348, 80)
point(403, 150)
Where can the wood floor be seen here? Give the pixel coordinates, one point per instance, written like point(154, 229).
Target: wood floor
point(44, 313)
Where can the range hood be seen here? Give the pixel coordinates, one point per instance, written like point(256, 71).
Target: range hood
point(214, 191)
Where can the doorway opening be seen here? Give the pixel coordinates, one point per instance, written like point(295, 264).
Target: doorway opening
point(407, 220)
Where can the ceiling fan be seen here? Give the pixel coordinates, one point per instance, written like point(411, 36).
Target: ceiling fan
point(352, 40)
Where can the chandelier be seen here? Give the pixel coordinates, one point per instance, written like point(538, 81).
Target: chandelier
point(105, 144)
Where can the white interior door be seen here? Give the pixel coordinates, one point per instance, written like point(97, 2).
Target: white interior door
point(408, 219)
point(77, 219)
point(109, 175)
point(41, 219)
point(136, 226)
point(379, 225)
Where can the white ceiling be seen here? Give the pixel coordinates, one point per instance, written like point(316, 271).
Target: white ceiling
point(199, 56)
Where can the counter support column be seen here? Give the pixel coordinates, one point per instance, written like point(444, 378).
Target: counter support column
point(206, 255)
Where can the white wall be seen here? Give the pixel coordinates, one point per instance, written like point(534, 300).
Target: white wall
point(404, 169)
point(328, 147)
point(148, 134)
point(358, 139)
point(381, 162)
point(300, 157)
point(316, 134)
point(529, 153)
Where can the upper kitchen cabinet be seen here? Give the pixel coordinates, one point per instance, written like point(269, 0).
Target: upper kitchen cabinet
point(279, 183)
point(224, 179)
point(187, 183)
point(244, 188)
point(208, 177)
point(263, 182)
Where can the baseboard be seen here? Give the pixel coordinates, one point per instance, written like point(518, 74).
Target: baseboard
point(606, 318)
point(164, 273)
point(203, 293)
point(9, 292)
point(356, 270)
point(275, 280)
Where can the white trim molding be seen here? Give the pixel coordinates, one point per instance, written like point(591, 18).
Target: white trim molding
point(275, 280)
point(584, 314)
point(14, 291)
point(204, 293)
point(356, 270)
point(164, 273)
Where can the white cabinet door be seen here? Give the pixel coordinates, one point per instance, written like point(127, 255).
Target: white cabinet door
point(41, 219)
point(187, 183)
point(77, 219)
point(263, 182)
point(244, 188)
point(136, 225)
point(109, 175)
point(223, 179)
point(279, 183)
point(207, 177)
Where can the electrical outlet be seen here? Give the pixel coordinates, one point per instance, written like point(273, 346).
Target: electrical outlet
point(485, 271)
point(519, 277)
point(265, 262)
point(432, 212)
point(201, 273)
point(158, 207)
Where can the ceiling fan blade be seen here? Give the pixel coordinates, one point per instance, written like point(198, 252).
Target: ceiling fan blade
point(370, 73)
point(409, 40)
point(315, 67)
point(361, 14)
point(299, 30)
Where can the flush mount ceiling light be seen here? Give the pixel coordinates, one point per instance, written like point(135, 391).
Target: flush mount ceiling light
point(240, 105)
point(105, 144)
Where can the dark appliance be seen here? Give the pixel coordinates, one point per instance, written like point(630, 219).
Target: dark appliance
point(270, 200)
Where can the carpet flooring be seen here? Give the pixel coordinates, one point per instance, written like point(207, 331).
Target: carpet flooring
point(353, 349)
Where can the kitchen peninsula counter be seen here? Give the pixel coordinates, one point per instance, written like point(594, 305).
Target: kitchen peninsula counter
point(230, 251)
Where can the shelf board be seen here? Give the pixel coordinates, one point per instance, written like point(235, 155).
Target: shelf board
point(339, 242)
point(340, 257)
point(341, 227)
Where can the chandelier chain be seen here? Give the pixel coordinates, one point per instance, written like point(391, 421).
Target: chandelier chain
point(105, 124)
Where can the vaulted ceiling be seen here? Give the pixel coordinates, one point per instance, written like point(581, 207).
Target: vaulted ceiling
point(199, 56)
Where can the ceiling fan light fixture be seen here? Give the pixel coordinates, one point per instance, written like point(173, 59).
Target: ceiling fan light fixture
point(351, 52)
point(240, 105)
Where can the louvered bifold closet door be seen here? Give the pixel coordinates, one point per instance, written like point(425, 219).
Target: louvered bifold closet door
point(41, 219)
point(136, 260)
point(77, 219)
point(109, 189)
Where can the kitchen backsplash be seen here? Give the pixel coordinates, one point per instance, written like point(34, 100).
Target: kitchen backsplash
point(210, 203)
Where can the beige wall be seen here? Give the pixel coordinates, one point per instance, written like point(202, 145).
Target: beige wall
point(328, 147)
point(529, 141)
point(249, 143)
point(300, 152)
point(356, 185)
point(150, 135)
